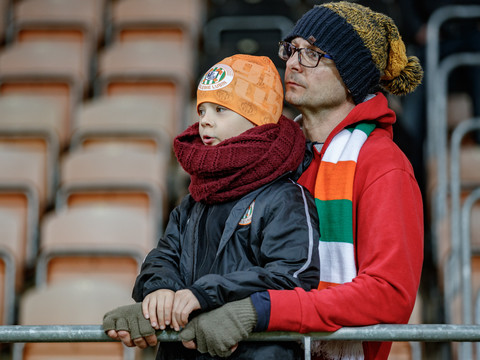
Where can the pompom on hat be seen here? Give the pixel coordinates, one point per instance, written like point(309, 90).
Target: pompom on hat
point(249, 85)
point(365, 46)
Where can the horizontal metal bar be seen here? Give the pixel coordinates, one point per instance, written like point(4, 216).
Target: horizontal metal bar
point(384, 332)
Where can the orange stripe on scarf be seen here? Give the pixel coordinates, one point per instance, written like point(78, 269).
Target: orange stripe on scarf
point(343, 172)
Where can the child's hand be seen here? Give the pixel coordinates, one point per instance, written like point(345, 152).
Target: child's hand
point(185, 302)
point(157, 306)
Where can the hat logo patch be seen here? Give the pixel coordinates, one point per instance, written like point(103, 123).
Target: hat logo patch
point(216, 78)
point(247, 217)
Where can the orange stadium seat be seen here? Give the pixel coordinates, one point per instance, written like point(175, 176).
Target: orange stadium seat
point(33, 123)
point(107, 242)
point(48, 69)
point(80, 302)
point(148, 68)
point(76, 22)
point(21, 182)
point(115, 176)
point(178, 20)
point(133, 121)
point(10, 264)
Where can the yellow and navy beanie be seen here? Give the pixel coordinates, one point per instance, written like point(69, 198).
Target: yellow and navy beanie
point(365, 45)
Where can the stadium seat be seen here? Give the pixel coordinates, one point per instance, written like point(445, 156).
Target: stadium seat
point(178, 20)
point(289, 8)
point(148, 68)
point(76, 22)
point(11, 271)
point(80, 302)
point(253, 35)
point(29, 122)
point(115, 176)
point(93, 242)
point(48, 69)
point(21, 182)
point(131, 121)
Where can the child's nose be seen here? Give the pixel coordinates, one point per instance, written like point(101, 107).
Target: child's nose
point(206, 120)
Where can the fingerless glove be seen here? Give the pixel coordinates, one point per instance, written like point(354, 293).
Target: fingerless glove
point(217, 331)
point(129, 318)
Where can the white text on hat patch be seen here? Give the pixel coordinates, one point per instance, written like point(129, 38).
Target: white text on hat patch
point(216, 78)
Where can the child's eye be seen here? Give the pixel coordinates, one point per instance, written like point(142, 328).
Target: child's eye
point(221, 109)
point(201, 112)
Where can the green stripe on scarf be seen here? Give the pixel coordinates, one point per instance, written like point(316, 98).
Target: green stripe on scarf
point(338, 212)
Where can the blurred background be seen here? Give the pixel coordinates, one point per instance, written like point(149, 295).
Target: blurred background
point(92, 93)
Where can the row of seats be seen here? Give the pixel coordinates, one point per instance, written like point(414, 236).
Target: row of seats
point(92, 93)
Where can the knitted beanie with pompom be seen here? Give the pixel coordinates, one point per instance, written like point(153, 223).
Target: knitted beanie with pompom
point(365, 46)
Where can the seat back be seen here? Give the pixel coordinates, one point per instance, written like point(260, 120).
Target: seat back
point(131, 121)
point(76, 22)
point(33, 123)
point(161, 70)
point(177, 20)
point(115, 176)
point(54, 70)
point(107, 242)
point(11, 271)
point(80, 302)
point(21, 182)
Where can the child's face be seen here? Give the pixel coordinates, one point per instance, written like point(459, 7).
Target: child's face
point(217, 123)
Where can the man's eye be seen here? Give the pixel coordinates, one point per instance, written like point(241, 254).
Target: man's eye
point(312, 54)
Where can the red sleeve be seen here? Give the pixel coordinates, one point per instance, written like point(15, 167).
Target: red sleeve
point(389, 254)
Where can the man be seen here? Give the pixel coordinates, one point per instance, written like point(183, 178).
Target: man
point(339, 57)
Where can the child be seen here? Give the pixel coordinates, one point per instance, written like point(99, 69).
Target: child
point(245, 226)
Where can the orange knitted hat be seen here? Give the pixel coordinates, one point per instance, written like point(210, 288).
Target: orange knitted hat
point(249, 85)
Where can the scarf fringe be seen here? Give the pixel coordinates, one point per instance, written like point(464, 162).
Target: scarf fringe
point(338, 350)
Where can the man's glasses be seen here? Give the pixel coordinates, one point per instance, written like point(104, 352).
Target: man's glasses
point(306, 57)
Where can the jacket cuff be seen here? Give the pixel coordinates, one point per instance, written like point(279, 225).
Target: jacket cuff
point(261, 303)
point(201, 297)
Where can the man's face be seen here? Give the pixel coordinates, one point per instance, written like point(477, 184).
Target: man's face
point(313, 89)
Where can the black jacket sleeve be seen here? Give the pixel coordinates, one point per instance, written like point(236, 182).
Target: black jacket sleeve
point(161, 267)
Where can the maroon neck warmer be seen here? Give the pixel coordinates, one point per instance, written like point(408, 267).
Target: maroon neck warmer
point(240, 164)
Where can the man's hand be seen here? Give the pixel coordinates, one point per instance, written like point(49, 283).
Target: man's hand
point(219, 331)
point(128, 324)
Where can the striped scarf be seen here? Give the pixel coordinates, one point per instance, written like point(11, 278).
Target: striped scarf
point(333, 197)
point(334, 200)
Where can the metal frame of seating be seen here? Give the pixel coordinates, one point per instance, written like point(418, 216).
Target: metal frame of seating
point(437, 135)
point(460, 224)
point(469, 314)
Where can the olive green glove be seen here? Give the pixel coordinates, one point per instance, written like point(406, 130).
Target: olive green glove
point(129, 318)
point(217, 331)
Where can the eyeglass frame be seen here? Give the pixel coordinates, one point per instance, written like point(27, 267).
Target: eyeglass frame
point(299, 51)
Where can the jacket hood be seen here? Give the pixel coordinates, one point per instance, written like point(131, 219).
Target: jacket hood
point(374, 109)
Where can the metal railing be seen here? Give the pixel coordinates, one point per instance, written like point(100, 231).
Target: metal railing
point(437, 74)
point(382, 332)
